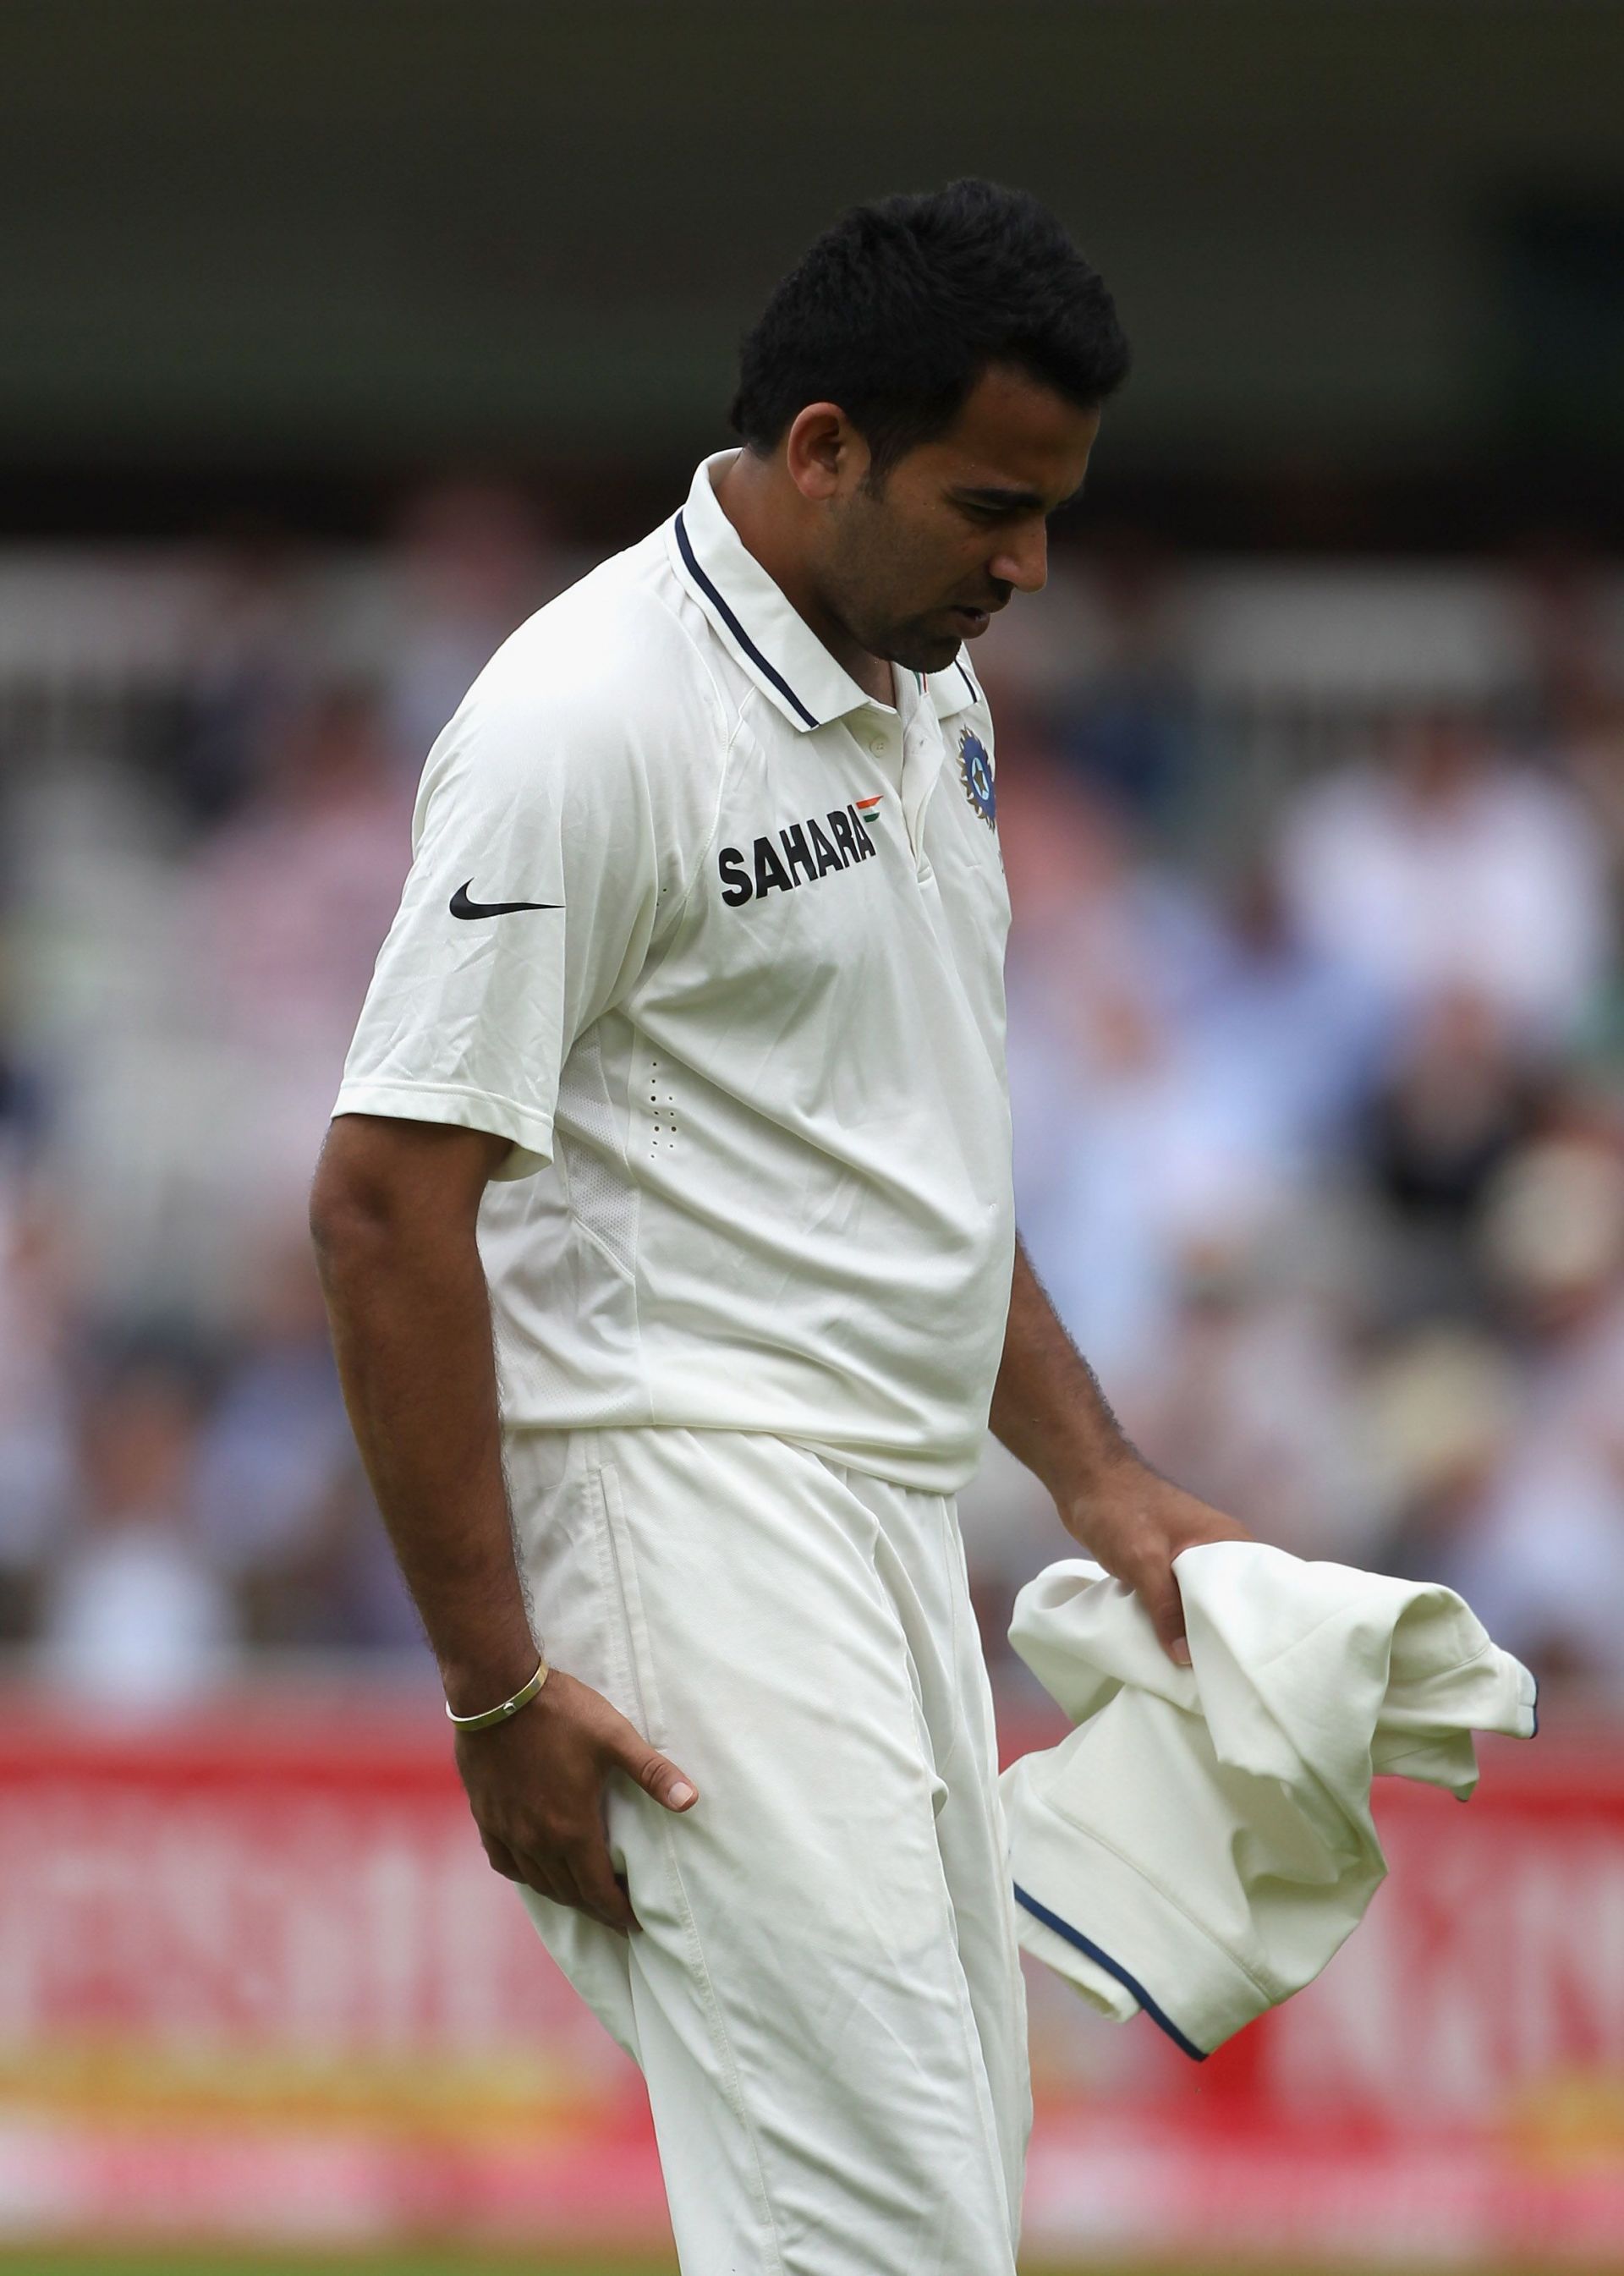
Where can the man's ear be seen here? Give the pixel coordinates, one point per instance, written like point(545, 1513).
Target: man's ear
point(823, 452)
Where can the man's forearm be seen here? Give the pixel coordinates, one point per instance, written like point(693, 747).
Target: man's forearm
point(1051, 1413)
point(394, 1210)
point(411, 1323)
point(1047, 1406)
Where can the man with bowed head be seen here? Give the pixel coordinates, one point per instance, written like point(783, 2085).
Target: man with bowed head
point(666, 1226)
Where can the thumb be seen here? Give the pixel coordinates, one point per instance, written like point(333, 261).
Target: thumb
point(656, 1774)
point(1166, 1610)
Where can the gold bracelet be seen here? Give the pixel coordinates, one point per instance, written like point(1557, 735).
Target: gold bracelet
point(522, 1698)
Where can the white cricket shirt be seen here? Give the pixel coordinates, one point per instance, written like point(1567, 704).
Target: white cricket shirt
point(716, 941)
point(1201, 1842)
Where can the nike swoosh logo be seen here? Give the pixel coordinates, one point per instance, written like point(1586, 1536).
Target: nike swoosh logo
point(462, 906)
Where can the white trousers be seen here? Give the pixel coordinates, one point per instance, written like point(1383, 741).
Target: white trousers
point(824, 1994)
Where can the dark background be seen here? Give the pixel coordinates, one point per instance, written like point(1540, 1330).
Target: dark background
point(271, 259)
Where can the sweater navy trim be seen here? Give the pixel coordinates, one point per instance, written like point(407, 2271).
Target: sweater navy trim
point(736, 629)
point(1091, 1950)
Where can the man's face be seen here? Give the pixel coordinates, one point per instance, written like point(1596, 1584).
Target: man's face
point(913, 567)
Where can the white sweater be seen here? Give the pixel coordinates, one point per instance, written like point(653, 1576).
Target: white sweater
point(1202, 1843)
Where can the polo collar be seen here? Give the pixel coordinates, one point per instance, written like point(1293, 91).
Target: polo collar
point(954, 689)
point(774, 644)
point(777, 648)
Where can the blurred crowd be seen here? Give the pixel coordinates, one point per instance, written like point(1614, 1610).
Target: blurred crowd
point(1320, 1103)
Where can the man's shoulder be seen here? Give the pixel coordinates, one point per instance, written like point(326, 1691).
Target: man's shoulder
point(601, 701)
point(617, 652)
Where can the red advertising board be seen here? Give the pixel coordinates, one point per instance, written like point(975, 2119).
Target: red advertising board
point(257, 1979)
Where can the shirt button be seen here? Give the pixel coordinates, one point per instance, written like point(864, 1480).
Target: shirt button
point(878, 746)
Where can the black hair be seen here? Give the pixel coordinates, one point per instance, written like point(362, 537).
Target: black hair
point(897, 310)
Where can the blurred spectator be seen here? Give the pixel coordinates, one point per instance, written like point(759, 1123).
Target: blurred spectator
point(294, 896)
point(1452, 869)
point(1126, 1163)
point(1587, 741)
point(133, 1611)
point(1112, 1142)
point(254, 648)
point(1544, 1563)
point(1249, 1403)
point(35, 1353)
point(190, 1005)
point(1440, 1410)
point(1459, 1097)
point(284, 1511)
point(473, 560)
point(1173, 1077)
point(1291, 1039)
point(1570, 623)
point(1125, 722)
point(290, 902)
point(276, 1449)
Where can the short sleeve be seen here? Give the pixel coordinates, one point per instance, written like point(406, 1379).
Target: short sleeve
point(529, 910)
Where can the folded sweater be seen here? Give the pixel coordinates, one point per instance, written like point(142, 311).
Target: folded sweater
point(1201, 1842)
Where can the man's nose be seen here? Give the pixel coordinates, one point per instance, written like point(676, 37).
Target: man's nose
point(1023, 560)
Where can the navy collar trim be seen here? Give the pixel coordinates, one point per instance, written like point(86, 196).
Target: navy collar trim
point(1091, 1950)
point(771, 670)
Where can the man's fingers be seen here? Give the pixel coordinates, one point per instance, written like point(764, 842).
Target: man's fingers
point(597, 1891)
point(1166, 1607)
point(501, 1858)
point(550, 1879)
point(657, 1776)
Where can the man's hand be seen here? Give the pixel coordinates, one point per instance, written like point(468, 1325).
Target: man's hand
point(1134, 1524)
point(536, 1786)
point(1052, 1413)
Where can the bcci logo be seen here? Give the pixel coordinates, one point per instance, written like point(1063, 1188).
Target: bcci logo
point(976, 773)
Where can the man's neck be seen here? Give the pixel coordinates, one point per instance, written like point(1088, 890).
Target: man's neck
point(749, 492)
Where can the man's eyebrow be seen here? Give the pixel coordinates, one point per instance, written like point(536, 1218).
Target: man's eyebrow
point(1000, 500)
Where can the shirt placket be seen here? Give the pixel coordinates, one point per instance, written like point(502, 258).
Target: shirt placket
point(921, 765)
point(907, 744)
